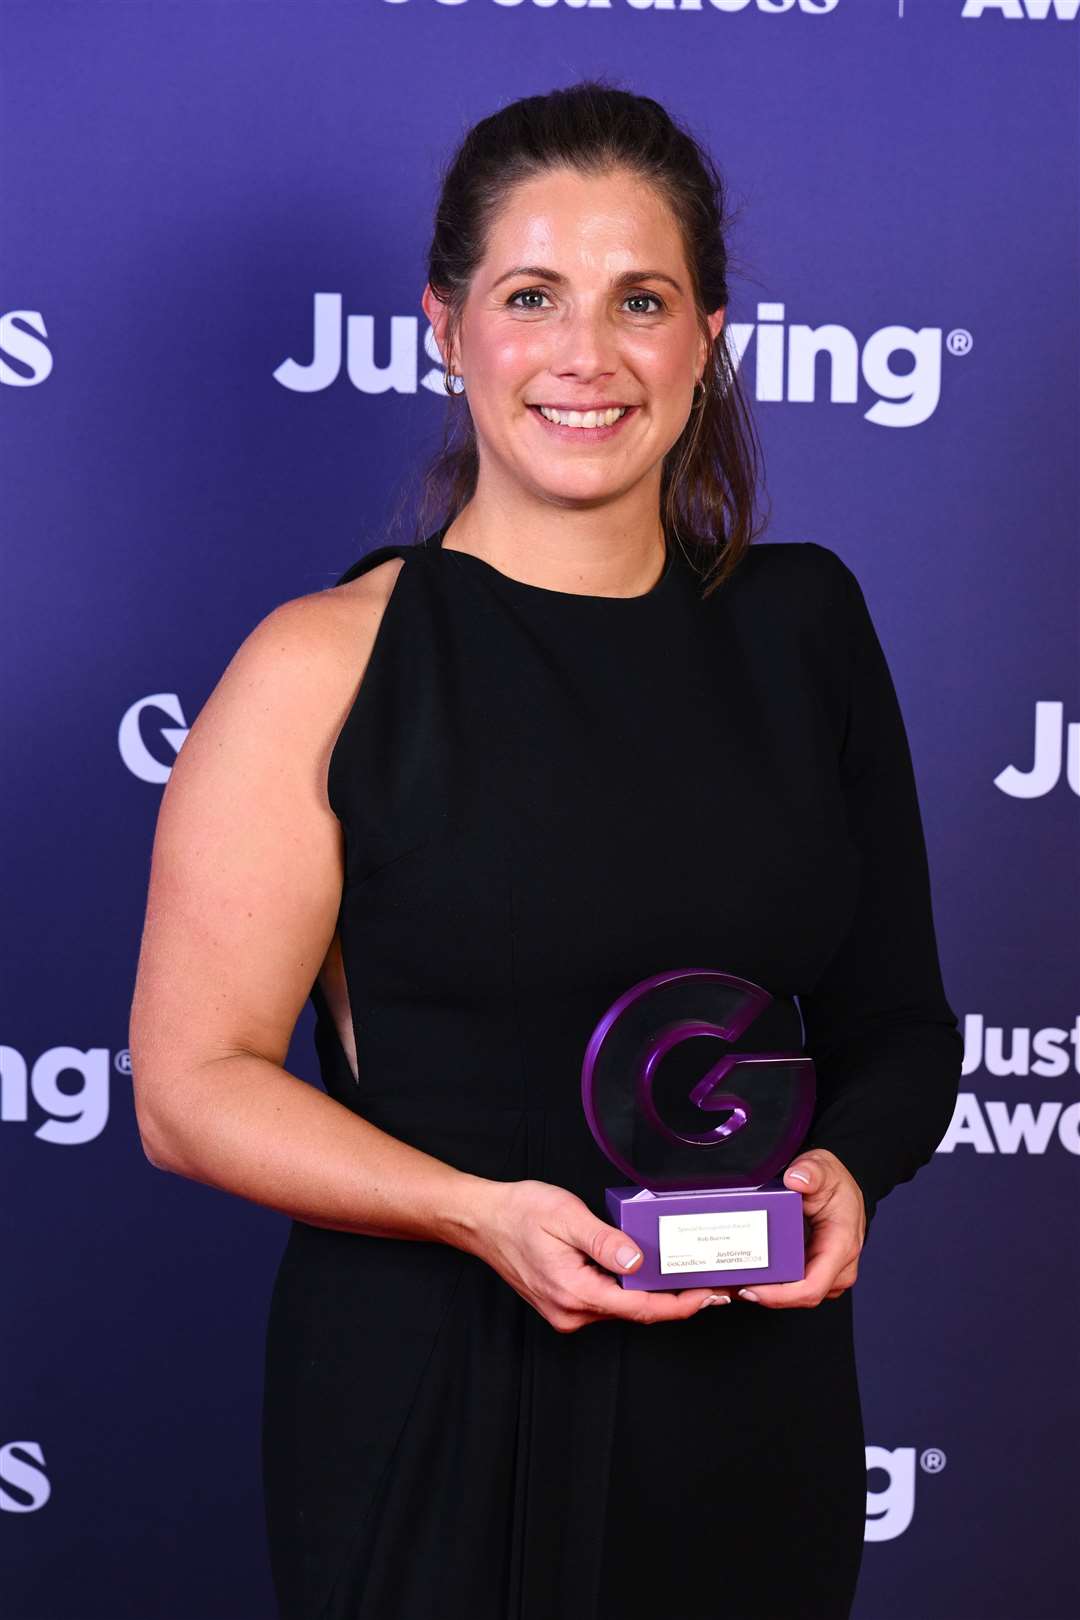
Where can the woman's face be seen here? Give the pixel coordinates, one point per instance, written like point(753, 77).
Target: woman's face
point(582, 300)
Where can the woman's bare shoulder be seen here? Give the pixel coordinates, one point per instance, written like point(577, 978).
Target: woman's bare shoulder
point(286, 690)
point(326, 623)
point(316, 645)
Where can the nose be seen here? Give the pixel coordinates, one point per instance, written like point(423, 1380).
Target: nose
point(586, 348)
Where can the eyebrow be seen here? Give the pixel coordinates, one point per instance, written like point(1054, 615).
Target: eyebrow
point(624, 280)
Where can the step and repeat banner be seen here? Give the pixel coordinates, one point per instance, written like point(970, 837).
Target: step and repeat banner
point(217, 380)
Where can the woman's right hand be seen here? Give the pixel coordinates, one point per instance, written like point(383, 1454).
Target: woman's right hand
point(544, 1240)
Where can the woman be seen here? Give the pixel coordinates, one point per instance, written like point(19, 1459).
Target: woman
point(584, 732)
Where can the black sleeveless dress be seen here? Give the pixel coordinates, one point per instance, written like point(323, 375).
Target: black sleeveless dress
point(546, 798)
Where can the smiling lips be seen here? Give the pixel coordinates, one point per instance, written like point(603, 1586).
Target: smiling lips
point(598, 417)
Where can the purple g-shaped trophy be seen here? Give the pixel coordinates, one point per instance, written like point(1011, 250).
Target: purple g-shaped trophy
point(705, 1156)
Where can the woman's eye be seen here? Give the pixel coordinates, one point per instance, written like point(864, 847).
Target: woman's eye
point(526, 292)
point(654, 298)
point(538, 292)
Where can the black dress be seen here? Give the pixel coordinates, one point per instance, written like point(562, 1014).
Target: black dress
point(546, 798)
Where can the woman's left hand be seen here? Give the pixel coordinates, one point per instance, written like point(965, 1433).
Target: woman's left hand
point(836, 1212)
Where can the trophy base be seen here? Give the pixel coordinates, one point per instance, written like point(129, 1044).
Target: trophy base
point(692, 1238)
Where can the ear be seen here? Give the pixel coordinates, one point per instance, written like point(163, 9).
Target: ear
point(716, 322)
point(438, 314)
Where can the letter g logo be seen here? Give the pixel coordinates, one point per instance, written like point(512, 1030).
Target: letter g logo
point(655, 1114)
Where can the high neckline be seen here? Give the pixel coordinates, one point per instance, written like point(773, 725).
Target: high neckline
point(655, 591)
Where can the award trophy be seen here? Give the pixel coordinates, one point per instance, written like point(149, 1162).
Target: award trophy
point(708, 1204)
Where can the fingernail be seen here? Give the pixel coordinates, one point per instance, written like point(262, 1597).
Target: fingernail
point(715, 1299)
point(626, 1256)
point(799, 1175)
point(748, 1293)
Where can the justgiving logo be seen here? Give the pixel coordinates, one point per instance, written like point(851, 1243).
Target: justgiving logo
point(1054, 742)
point(24, 1484)
point(890, 1506)
point(75, 1114)
point(21, 338)
point(133, 750)
point(785, 361)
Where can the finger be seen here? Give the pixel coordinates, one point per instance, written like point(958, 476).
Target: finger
point(823, 1268)
point(819, 1175)
point(646, 1306)
point(599, 1293)
point(813, 1177)
point(602, 1293)
point(601, 1242)
point(802, 1174)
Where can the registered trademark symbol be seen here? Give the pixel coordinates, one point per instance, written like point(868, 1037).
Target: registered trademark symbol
point(122, 1061)
point(932, 1460)
point(959, 341)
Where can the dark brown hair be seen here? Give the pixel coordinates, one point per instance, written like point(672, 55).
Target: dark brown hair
point(709, 476)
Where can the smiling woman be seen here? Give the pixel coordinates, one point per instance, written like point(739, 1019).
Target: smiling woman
point(601, 288)
point(580, 394)
point(579, 733)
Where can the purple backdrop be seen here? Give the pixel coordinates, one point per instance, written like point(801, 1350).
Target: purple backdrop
point(185, 188)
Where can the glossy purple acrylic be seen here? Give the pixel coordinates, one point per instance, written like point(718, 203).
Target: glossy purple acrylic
point(706, 1150)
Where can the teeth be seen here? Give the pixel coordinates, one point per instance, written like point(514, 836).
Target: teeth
point(584, 419)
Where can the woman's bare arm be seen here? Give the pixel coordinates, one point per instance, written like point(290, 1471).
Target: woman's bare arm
point(245, 885)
